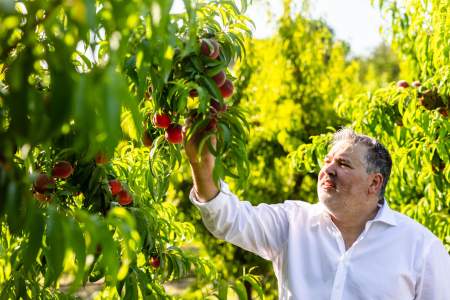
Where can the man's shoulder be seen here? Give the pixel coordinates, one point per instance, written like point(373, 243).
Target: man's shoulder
point(413, 228)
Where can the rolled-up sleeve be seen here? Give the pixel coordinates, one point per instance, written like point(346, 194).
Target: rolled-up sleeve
point(434, 281)
point(261, 229)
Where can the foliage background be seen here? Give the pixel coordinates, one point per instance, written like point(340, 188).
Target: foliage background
point(295, 88)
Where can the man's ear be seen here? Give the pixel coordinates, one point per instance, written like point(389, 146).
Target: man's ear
point(376, 183)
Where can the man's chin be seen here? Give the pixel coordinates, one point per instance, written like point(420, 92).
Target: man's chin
point(326, 196)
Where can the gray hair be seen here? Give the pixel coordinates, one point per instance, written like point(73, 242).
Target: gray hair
point(378, 158)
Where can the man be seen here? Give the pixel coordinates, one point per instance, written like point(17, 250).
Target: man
point(350, 245)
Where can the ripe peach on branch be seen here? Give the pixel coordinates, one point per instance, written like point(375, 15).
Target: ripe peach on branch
point(220, 78)
point(161, 120)
point(154, 261)
point(174, 134)
point(115, 186)
point(124, 198)
point(43, 183)
point(210, 48)
point(402, 84)
point(227, 89)
point(62, 169)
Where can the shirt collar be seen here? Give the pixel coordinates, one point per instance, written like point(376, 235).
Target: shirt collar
point(384, 215)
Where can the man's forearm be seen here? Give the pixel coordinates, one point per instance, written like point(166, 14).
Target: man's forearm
point(204, 185)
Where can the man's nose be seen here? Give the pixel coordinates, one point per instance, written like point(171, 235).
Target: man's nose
point(330, 169)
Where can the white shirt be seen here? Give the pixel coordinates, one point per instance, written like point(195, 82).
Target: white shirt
point(394, 257)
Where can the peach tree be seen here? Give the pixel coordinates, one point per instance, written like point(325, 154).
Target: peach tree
point(92, 97)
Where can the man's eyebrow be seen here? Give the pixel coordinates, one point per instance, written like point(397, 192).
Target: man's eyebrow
point(338, 158)
point(341, 159)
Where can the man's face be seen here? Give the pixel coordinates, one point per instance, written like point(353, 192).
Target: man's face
point(343, 180)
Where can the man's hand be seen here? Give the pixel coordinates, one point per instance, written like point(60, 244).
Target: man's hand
point(191, 146)
point(202, 165)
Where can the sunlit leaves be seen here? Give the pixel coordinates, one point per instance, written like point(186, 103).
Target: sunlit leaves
point(73, 78)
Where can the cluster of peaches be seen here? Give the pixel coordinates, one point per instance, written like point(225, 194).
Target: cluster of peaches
point(210, 49)
point(44, 184)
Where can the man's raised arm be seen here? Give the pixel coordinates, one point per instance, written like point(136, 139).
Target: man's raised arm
point(261, 230)
point(202, 169)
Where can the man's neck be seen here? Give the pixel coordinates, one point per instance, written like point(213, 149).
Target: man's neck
point(352, 225)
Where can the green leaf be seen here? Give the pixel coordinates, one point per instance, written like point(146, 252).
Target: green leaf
point(222, 289)
point(110, 255)
point(255, 285)
point(144, 282)
point(77, 243)
point(35, 226)
point(212, 71)
point(211, 86)
point(56, 246)
point(131, 287)
point(240, 290)
point(226, 134)
point(218, 170)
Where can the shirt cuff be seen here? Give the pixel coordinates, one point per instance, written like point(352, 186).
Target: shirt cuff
point(215, 203)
